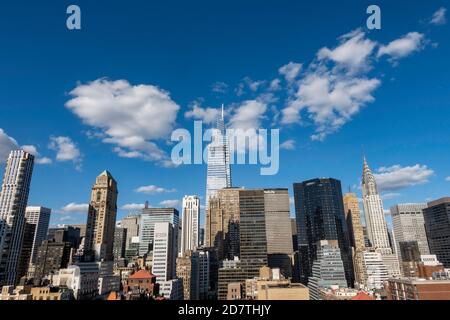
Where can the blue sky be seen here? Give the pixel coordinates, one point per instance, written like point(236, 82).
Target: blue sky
point(109, 95)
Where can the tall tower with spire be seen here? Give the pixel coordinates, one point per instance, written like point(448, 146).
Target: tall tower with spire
point(376, 222)
point(219, 170)
point(373, 210)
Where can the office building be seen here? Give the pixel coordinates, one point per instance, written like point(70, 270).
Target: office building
point(13, 203)
point(222, 223)
point(81, 278)
point(151, 216)
point(320, 216)
point(418, 289)
point(409, 225)
point(190, 224)
point(52, 255)
point(204, 271)
point(188, 269)
point(375, 271)
point(120, 239)
point(230, 271)
point(328, 269)
point(40, 217)
point(437, 226)
point(131, 224)
point(278, 230)
point(101, 219)
point(164, 252)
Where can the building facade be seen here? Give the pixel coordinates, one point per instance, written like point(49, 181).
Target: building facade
point(40, 217)
point(319, 211)
point(328, 269)
point(219, 170)
point(376, 222)
point(409, 225)
point(151, 216)
point(13, 203)
point(164, 252)
point(190, 224)
point(101, 219)
point(437, 226)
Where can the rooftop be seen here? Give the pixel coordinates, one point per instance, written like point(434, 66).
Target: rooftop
point(141, 274)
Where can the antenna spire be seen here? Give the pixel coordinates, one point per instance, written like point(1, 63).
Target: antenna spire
point(222, 110)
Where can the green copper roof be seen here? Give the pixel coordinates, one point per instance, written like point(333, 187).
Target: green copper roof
point(106, 173)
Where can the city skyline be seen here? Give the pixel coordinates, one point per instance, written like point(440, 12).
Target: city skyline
point(408, 94)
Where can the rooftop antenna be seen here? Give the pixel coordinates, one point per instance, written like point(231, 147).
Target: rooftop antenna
point(222, 110)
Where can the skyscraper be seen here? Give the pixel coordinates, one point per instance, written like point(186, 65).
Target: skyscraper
point(278, 230)
point(219, 170)
point(101, 220)
point(320, 216)
point(353, 219)
point(120, 238)
point(253, 237)
point(13, 202)
point(40, 217)
point(149, 217)
point(164, 257)
point(131, 224)
point(374, 212)
point(164, 261)
point(409, 225)
point(437, 226)
point(376, 222)
point(188, 269)
point(356, 234)
point(222, 223)
point(190, 224)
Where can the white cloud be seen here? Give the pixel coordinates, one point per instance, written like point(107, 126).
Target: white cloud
point(66, 150)
point(447, 179)
point(7, 144)
point(330, 95)
point(131, 117)
point(170, 203)
point(397, 177)
point(352, 53)
point(246, 120)
point(248, 83)
point(132, 206)
point(207, 115)
point(275, 85)
point(75, 208)
point(288, 145)
point(439, 17)
point(390, 195)
point(330, 100)
point(403, 46)
point(152, 189)
point(290, 71)
point(248, 115)
point(219, 87)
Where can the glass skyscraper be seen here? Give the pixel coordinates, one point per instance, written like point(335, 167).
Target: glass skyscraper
point(149, 217)
point(320, 216)
point(219, 171)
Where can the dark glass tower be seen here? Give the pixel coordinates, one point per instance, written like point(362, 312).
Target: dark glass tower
point(319, 211)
